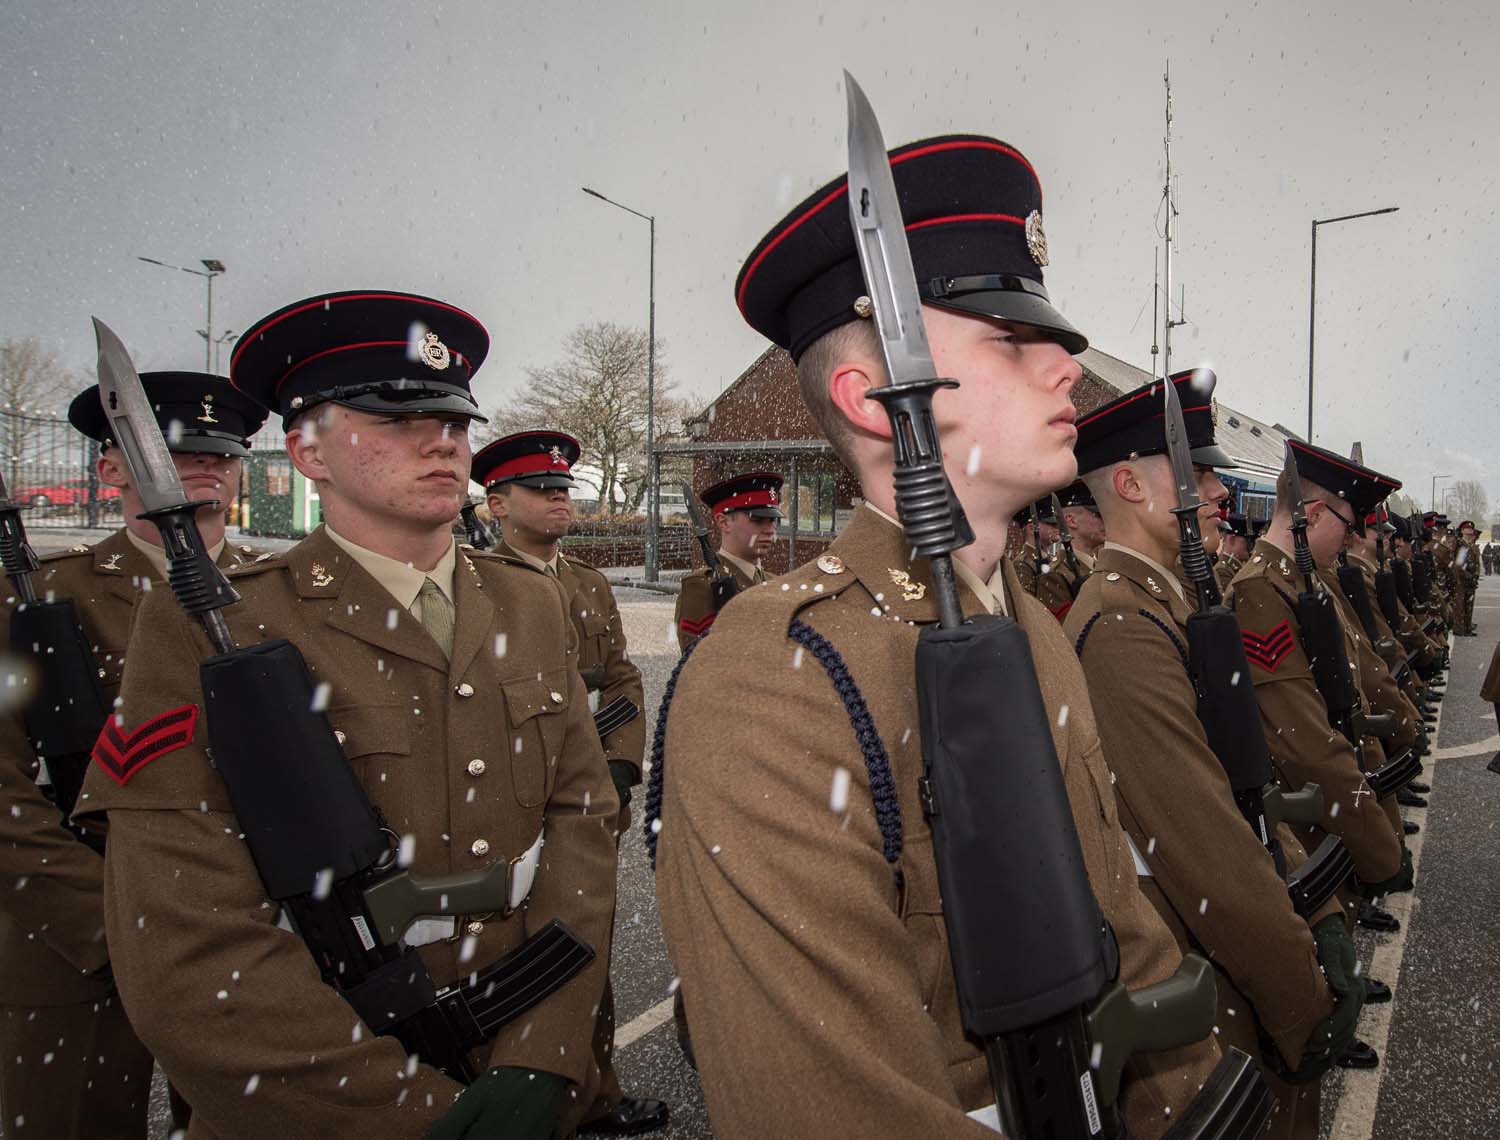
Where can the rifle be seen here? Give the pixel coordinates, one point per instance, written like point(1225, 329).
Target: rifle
point(1035, 963)
point(721, 583)
point(479, 535)
point(1036, 543)
point(1323, 640)
point(319, 846)
point(64, 717)
point(1227, 707)
point(1065, 536)
point(1387, 590)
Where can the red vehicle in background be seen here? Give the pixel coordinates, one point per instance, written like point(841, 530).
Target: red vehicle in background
point(63, 493)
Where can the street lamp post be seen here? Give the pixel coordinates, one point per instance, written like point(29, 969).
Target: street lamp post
point(651, 490)
point(212, 267)
point(1435, 479)
point(1312, 305)
point(226, 337)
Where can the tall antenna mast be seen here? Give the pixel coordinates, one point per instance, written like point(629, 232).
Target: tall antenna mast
point(1155, 307)
point(1171, 212)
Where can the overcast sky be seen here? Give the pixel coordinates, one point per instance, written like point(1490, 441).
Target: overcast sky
point(440, 149)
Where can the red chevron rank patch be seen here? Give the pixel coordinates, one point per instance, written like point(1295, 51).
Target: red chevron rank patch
point(1271, 649)
point(700, 627)
point(1062, 610)
point(123, 756)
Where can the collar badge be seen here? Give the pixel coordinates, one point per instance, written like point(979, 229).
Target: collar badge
point(112, 563)
point(910, 591)
point(320, 576)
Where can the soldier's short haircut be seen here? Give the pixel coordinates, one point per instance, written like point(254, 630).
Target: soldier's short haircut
point(853, 340)
point(1310, 491)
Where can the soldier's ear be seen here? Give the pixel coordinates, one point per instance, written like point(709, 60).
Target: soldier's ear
point(304, 448)
point(847, 385)
point(499, 508)
point(1126, 482)
point(110, 469)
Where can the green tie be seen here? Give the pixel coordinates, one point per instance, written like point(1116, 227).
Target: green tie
point(437, 614)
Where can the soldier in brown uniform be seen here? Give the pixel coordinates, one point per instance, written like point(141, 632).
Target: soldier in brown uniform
point(1085, 523)
point(795, 868)
point(70, 1064)
point(746, 509)
point(450, 681)
point(1234, 547)
point(1304, 747)
point(1033, 558)
point(528, 481)
point(1200, 863)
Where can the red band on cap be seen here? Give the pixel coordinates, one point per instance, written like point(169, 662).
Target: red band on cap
point(748, 499)
point(533, 463)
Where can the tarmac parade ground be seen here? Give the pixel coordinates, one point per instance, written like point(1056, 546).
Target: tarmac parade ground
point(1438, 1039)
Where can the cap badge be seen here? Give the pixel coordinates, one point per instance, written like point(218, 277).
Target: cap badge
point(910, 591)
point(434, 353)
point(1213, 413)
point(320, 576)
point(207, 403)
point(863, 307)
point(557, 455)
point(775, 498)
point(830, 564)
point(1036, 237)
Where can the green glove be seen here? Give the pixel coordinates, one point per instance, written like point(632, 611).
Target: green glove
point(504, 1104)
point(1334, 1033)
point(1400, 881)
point(622, 772)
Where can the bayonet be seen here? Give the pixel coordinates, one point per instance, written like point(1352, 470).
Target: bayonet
point(929, 511)
point(197, 581)
point(1190, 535)
point(1301, 553)
point(1036, 539)
point(479, 535)
point(1065, 536)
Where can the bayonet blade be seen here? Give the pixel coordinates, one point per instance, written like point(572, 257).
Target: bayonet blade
point(1357, 453)
point(884, 254)
point(1299, 516)
point(133, 426)
point(4, 490)
point(695, 512)
point(1062, 524)
point(1180, 452)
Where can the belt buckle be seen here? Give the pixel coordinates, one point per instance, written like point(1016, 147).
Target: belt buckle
point(510, 882)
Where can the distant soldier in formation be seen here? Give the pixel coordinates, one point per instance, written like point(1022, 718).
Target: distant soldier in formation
point(1280, 977)
point(528, 481)
point(1084, 521)
point(1466, 572)
point(746, 509)
point(70, 1064)
point(1234, 546)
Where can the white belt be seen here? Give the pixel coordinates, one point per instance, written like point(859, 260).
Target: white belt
point(989, 1116)
point(440, 928)
point(1141, 870)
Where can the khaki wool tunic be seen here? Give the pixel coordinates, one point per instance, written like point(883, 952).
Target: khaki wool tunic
point(1211, 879)
point(472, 757)
point(695, 604)
point(811, 972)
point(1304, 747)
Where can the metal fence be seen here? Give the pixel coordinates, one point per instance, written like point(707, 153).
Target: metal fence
point(50, 471)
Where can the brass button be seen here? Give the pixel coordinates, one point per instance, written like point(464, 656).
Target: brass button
point(474, 929)
point(465, 690)
point(480, 847)
point(476, 767)
point(557, 697)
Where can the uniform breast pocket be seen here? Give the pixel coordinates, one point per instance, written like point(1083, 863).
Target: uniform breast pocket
point(536, 709)
point(376, 740)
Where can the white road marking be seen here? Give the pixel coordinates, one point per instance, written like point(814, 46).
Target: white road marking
point(637, 1027)
point(1490, 743)
point(1354, 1118)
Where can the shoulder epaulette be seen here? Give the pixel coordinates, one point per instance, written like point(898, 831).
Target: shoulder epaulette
point(71, 552)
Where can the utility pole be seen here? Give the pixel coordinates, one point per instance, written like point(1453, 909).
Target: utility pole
point(1168, 324)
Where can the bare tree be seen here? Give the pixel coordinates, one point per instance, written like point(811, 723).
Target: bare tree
point(597, 393)
point(1466, 499)
point(33, 384)
point(1399, 504)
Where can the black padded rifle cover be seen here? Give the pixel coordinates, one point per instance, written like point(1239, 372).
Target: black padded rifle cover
point(1026, 935)
point(1421, 577)
point(301, 809)
point(1352, 582)
point(1402, 574)
point(1386, 597)
point(64, 719)
point(1323, 642)
point(1230, 715)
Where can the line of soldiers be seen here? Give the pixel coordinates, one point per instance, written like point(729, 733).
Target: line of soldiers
point(795, 864)
point(483, 701)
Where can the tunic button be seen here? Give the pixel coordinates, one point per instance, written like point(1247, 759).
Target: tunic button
point(480, 847)
point(558, 697)
point(339, 736)
point(476, 767)
point(474, 929)
point(465, 690)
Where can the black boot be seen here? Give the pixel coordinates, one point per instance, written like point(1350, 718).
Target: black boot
point(1420, 788)
point(1408, 798)
point(632, 1116)
point(1371, 917)
point(1358, 1055)
point(1376, 992)
point(1410, 828)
